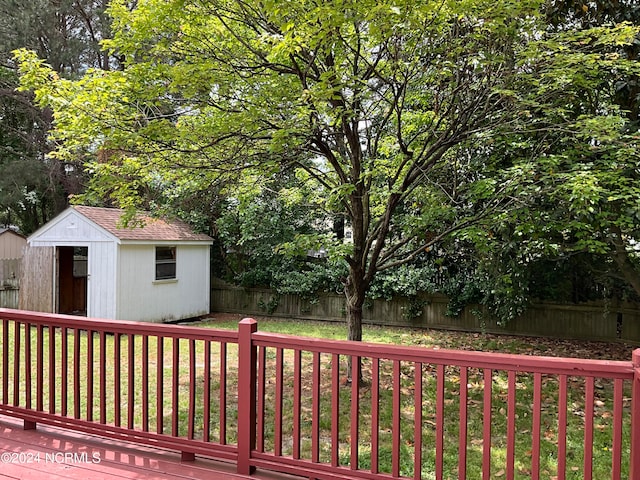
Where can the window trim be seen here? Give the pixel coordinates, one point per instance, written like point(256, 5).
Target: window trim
point(166, 261)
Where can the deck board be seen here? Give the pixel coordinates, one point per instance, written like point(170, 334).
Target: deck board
point(45, 448)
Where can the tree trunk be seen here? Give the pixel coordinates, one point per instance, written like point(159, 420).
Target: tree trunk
point(622, 259)
point(355, 291)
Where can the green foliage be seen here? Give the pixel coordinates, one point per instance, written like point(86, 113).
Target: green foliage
point(34, 185)
point(26, 194)
point(270, 305)
point(406, 281)
point(412, 120)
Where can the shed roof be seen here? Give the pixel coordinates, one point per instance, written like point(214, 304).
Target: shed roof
point(10, 231)
point(146, 228)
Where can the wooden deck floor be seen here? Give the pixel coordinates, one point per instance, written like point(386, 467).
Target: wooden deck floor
point(56, 454)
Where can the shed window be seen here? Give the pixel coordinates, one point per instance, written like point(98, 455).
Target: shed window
point(165, 263)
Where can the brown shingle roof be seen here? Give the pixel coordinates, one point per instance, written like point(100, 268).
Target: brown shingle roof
point(150, 228)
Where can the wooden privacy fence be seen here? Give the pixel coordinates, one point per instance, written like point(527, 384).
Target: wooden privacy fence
point(592, 321)
point(9, 281)
point(10, 269)
point(286, 404)
point(9, 297)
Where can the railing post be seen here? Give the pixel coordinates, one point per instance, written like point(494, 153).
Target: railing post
point(634, 473)
point(247, 360)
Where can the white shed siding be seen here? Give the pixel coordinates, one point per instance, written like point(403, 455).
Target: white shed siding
point(101, 281)
point(187, 296)
point(70, 227)
point(193, 275)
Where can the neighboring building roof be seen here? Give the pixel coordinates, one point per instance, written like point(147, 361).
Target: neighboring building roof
point(11, 230)
point(146, 227)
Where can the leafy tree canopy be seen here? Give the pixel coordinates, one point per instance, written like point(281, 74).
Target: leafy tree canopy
point(33, 185)
point(412, 119)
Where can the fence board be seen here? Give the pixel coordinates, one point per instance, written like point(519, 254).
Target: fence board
point(9, 282)
point(9, 297)
point(10, 270)
point(594, 321)
point(36, 281)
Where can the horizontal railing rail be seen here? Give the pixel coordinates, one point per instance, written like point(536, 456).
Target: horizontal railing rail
point(162, 385)
point(323, 408)
point(410, 414)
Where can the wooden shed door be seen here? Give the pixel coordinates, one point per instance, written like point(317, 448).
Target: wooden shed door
point(72, 280)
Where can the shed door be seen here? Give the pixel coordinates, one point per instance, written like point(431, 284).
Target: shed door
point(72, 280)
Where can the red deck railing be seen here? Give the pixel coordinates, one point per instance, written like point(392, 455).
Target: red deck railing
point(290, 404)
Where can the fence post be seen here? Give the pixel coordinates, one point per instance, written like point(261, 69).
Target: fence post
point(634, 473)
point(247, 359)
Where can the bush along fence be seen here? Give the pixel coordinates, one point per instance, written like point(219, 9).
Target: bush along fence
point(597, 321)
point(294, 405)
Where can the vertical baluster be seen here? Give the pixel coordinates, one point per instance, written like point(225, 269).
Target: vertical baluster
point(395, 427)
point(562, 427)
point(90, 375)
point(486, 435)
point(335, 410)
point(511, 422)
point(192, 389)
point(315, 409)
point(5, 361)
point(616, 470)
point(145, 383)
point(16, 362)
point(223, 393)
point(462, 436)
point(417, 421)
point(174, 387)
point(277, 442)
point(27, 365)
point(440, 422)
point(65, 370)
point(160, 386)
point(375, 414)
point(103, 376)
point(77, 337)
point(206, 432)
point(588, 428)
point(262, 360)
point(117, 379)
point(355, 410)
point(537, 414)
point(297, 380)
point(52, 369)
point(131, 376)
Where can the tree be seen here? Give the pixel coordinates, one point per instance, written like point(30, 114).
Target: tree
point(585, 197)
point(381, 107)
point(23, 130)
point(67, 33)
point(33, 185)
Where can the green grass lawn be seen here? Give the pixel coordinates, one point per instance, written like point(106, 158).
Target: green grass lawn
point(524, 387)
point(603, 409)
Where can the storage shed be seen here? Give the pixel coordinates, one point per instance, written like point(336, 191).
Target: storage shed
point(85, 262)
point(12, 246)
point(11, 243)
